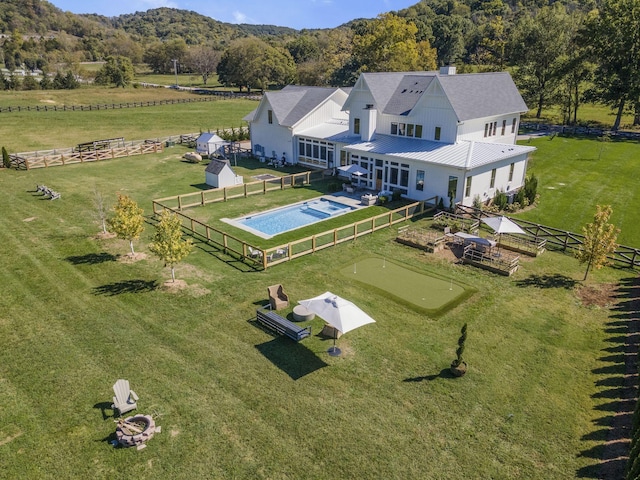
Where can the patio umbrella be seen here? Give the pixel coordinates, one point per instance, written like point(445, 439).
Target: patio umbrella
point(502, 225)
point(353, 169)
point(341, 314)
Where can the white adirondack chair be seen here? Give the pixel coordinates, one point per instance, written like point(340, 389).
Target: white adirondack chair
point(125, 399)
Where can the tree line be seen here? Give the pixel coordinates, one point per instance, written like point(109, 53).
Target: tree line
point(561, 54)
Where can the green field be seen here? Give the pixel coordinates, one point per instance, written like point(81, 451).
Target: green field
point(28, 131)
point(545, 350)
point(576, 174)
point(234, 401)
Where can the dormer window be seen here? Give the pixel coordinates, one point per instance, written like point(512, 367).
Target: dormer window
point(436, 134)
point(356, 126)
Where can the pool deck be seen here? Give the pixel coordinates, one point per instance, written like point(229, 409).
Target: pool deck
point(351, 199)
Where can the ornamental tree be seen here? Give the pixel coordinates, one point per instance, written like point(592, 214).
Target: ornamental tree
point(127, 221)
point(599, 240)
point(168, 244)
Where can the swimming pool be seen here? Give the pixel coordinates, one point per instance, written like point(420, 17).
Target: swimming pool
point(270, 223)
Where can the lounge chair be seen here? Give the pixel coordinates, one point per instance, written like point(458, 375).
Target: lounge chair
point(277, 298)
point(253, 253)
point(125, 399)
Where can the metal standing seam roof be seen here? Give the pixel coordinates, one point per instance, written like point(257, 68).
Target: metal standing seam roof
point(464, 154)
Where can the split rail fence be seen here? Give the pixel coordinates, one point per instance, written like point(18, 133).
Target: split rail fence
point(562, 240)
point(265, 258)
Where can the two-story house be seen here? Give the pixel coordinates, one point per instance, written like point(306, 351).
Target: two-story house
point(424, 133)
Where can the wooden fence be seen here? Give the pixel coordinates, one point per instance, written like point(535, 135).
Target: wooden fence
point(562, 240)
point(104, 106)
point(578, 130)
point(70, 156)
point(259, 187)
point(282, 253)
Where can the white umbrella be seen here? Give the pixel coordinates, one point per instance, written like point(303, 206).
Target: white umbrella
point(502, 225)
point(353, 169)
point(341, 314)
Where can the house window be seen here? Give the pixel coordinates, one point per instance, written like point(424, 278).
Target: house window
point(452, 189)
point(495, 127)
point(401, 129)
point(420, 180)
point(410, 127)
point(493, 179)
point(394, 129)
point(513, 125)
point(343, 158)
point(511, 167)
point(270, 116)
point(418, 131)
point(436, 134)
point(486, 129)
point(504, 126)
point(467, 188)
point(356, 126)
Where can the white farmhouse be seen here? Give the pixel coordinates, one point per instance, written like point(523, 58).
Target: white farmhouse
point(425, 134)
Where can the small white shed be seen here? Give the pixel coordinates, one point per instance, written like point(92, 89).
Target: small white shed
point(208, 143)
point(219, 174)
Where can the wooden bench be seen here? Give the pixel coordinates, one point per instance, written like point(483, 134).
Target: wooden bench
point(281, 325)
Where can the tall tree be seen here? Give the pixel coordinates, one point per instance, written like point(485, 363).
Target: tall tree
point(116, 70)
point(599, 240)
point(389, 44)
point(253, 63)
point(612, 33)
point(203, 61)
point(168, 244)
point(127, 221)
point(539, 45)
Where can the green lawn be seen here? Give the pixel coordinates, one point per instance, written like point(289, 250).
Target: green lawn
point(235, 402)
point(28, 131)
point(575, 175)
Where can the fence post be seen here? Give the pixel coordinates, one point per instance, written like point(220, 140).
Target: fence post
point(202, 198)
point(179, 203)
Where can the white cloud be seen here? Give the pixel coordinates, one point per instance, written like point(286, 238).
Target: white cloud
point(239, 17)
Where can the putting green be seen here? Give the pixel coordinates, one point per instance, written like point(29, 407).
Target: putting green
point(422, 291)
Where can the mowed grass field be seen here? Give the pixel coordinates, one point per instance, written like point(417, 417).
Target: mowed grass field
point(235, 401)
point(30, 130)
point(546, 364)
point(576, 174)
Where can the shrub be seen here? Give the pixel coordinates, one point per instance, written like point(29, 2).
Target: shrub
point(501, 200)
point(531, 188)
point(440, 204)
point(6, 161)
point(382, 199)
point(396, 195)
point(477, 203)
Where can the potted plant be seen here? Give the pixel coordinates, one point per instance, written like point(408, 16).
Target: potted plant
point(459, 366)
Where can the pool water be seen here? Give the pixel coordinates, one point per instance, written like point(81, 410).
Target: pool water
point(291, 217)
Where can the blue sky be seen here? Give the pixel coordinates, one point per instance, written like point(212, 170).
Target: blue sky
point(296, 14)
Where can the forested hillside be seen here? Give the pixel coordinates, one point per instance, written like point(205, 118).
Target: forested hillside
point(561, 54)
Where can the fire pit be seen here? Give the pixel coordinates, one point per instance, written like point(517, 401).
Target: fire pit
point(135, 431)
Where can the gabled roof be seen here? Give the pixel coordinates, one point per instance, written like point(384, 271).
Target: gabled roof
point(216, 166)
point(478, 95)
point(294, 102)
point(409, 91)
point(210, 138)
point(473, 95)
point(461, 155)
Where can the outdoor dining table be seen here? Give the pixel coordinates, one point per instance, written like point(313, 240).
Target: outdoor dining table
point(466, 238)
